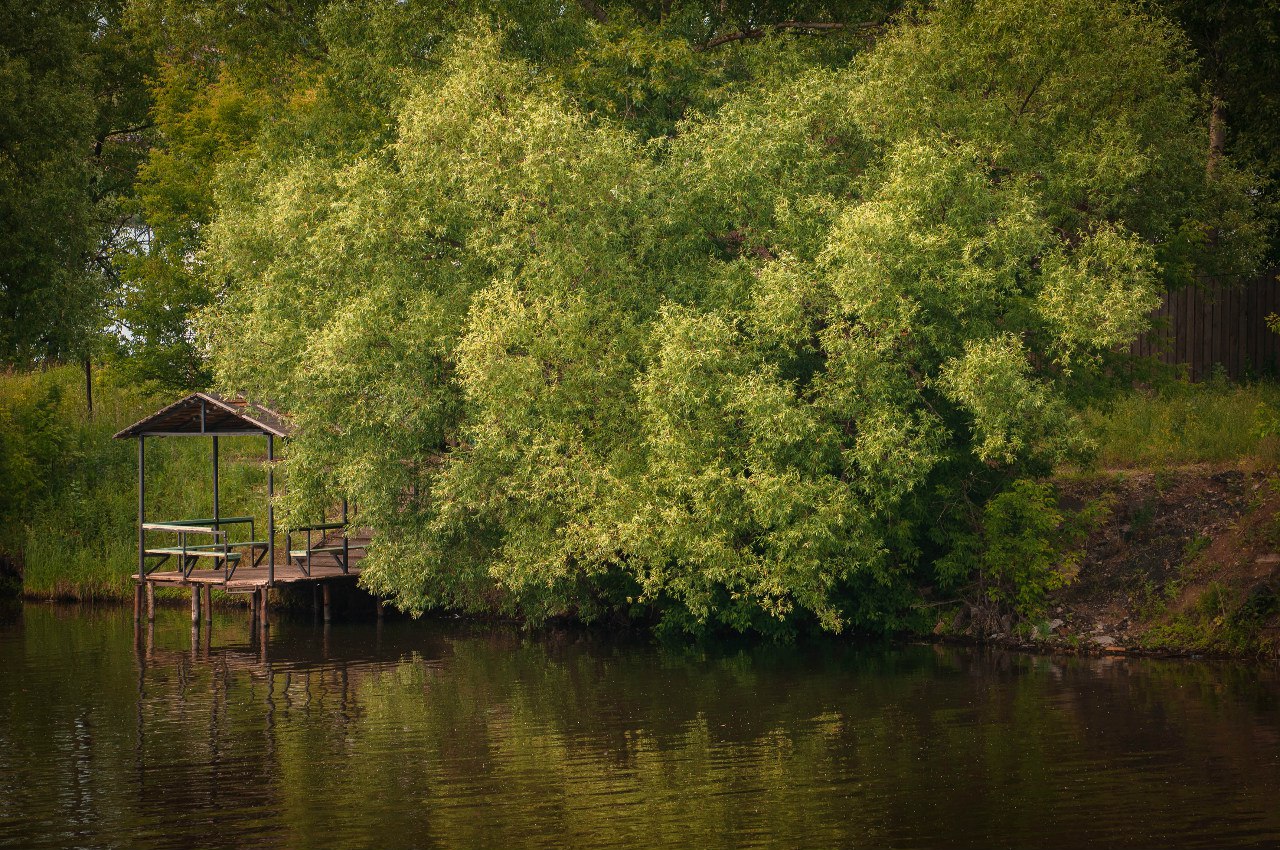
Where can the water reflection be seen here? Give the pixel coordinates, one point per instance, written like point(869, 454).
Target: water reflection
point(463, 736)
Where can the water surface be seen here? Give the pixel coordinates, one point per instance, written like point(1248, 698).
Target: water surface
point(460, 736)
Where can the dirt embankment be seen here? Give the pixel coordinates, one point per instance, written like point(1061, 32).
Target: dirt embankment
point(1187, 562)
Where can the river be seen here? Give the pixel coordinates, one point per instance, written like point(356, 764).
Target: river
point(456, 735)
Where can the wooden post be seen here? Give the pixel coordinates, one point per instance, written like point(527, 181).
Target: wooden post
point(208, 602)
point(263, 604)
point(380, 605)
point(151, 602)
point(137, 600)
point(195, 605)
point(325, 590)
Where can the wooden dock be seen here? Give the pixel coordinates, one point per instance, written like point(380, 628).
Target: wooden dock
point(254, 582)
point(204, 550)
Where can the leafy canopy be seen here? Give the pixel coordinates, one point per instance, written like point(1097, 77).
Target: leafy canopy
point(758, 370)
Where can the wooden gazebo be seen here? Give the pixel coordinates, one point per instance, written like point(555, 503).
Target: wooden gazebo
point(237, 566)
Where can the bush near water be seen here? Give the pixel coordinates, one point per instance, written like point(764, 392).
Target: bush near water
point(75, 528)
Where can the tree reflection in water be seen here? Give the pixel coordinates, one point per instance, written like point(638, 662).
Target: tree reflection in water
point(422, 734)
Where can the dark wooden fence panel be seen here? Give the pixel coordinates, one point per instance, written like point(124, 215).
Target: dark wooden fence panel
point(1217, 327)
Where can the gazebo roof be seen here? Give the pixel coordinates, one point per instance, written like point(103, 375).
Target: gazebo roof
point(207, 415)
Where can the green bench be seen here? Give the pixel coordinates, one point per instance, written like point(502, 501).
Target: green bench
point(190, 554)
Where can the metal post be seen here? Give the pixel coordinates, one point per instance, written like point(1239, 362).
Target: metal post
point(142, 502)
point(217, 515)
point(346, 552)
point(271, 514)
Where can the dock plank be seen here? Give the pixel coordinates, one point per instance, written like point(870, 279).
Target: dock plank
point(251, 578)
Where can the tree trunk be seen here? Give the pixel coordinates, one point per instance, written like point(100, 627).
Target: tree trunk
point(88, 386)
point(1217, 135)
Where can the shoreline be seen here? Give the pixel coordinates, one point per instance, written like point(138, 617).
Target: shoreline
point(1186, 564)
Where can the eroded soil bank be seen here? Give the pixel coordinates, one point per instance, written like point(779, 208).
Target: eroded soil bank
point(1187, 562)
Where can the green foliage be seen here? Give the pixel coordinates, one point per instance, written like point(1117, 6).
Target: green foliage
point(47, 299)
point(758, 374)
point(1238, 45)
point(331, 79)
point(1178, 422)
point(1027, 548)
point(737, 312)
point(1221, 621)
point(72, 113)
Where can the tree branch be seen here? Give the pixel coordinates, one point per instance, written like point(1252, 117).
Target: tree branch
point(810, 27)
point(595, 10)
point(146, 125)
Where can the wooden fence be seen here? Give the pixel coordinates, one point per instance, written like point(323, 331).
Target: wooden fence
point(1222, 327)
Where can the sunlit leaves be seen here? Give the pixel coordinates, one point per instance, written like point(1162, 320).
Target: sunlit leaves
point(760, 372)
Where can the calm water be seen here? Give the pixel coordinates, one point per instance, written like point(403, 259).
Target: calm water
point(460, 736)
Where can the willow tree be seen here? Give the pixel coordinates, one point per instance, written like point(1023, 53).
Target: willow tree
point(766, 370)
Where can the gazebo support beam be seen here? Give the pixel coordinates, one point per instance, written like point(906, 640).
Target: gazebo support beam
point(142, 503)
point(217, 513)
point(271, 512)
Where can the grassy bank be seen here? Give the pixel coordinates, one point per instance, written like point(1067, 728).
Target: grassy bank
point(68, 510)
point(1187, 560)
point(1179, 423)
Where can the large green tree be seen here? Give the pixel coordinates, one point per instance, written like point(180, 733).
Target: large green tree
point(73, 116)
point(331, 76)
point(1238, 45)
point(758, 365)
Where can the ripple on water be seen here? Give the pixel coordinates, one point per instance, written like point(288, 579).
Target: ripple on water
point(424, 735)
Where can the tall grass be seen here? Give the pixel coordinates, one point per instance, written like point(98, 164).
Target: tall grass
point(70, 518)
point(1215, 422)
